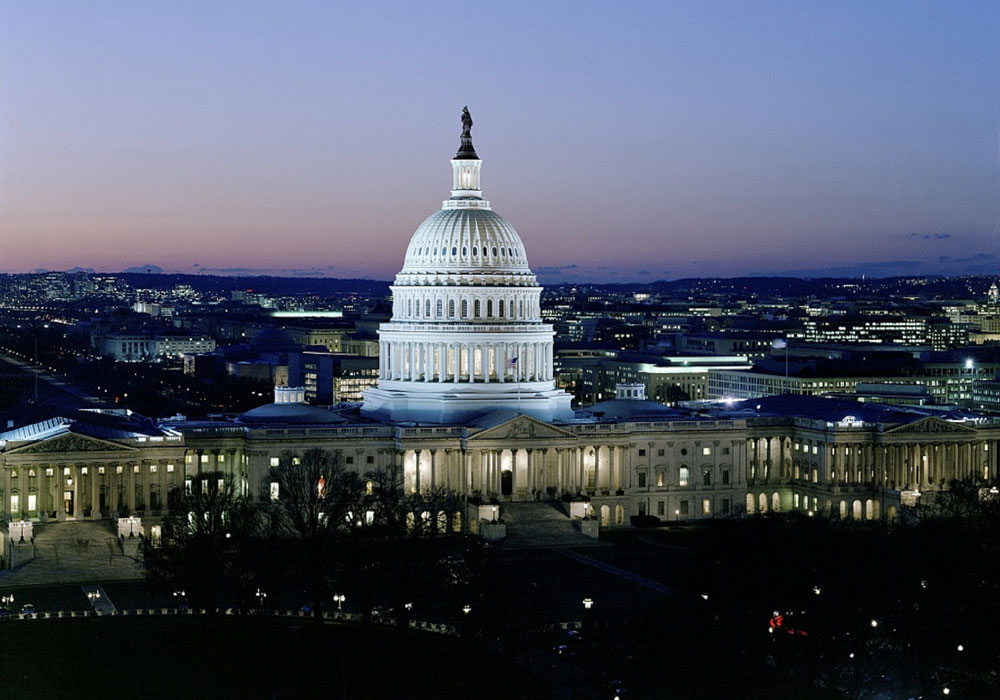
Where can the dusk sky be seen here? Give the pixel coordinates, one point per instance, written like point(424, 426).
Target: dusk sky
point(624, 141)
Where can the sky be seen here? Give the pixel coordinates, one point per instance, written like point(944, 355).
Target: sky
point(625, 141)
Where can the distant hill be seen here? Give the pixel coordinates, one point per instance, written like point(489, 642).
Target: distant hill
point(144, 270)
point(274, 286)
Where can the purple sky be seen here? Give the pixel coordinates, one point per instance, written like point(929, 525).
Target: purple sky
point(624, 141)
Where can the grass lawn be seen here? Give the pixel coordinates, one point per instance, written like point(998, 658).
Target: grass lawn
point(196, 657)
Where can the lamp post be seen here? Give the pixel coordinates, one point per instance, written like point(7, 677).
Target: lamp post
point(339, 599)
point(588, 603)
point(261, 597)
point(7, 599)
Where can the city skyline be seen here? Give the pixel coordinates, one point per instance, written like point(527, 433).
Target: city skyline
point(659, 143)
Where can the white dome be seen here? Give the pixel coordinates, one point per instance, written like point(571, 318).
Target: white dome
point(464, 241)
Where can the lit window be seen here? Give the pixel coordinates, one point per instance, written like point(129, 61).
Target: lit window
point(100, 470)
point(222, 458)
point(706, 506)
point(189, 458)
point(706, 451)
point(683, 476)
point(65, 471)
point(119, 469)
point(296, 461)
point(659, 478)
point(170, 468)
point(48, 472)
point(274, 490)
point(275, 461)
point(83, 470)
point(135, 469)
point(32, 501)
point(204, 459)
point(152, 468)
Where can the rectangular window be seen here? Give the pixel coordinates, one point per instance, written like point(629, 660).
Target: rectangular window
point(48, 472)
point(659, 507)
point(349, 460)
point(135, 468)
point(725, 450)
point(65, 471)
point(795, 499)
point(83, 470)
point(170, 469)
point(815, 476)
point(187, 487)
point(275, 461)
point(119, 469)
point(659, 479)
point(706, 451)
point(706, 477)
point(642, 507)
point(152, 468)
point(683, 476)
point(15, 504)
point(189, 458)
point(725, 477)
point(661, 452)
point(222, 458)
point(370, 459)
point(684, 510)
point(706, 506)
point(642, 480)
point(32, 505)
point(296, 461)
point(274, 490)
point(642, 452)
point(204, 459)
point(100, 470)
point(725, 506)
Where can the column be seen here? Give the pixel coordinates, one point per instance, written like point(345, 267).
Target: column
point(416, 471)
point(597, 469)
point(559, 472)
point(434, 479)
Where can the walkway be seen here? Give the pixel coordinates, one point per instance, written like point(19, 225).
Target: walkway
point(616, 571)
point(541, 525)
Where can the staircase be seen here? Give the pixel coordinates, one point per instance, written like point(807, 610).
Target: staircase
point(531, 525)
point(73, 552)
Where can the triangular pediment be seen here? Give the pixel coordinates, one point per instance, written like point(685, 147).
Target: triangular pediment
point(522, 428)
point(931, 425)
point(71, 442)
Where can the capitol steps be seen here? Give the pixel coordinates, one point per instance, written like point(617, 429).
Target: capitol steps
point(543, 524)
point(73, 552)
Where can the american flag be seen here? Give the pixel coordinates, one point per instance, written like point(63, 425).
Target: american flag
point(511, 363)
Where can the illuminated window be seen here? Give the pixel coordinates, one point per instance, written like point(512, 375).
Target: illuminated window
point(170, 468)
point(296, 461)
point(100, 470)
point(683, 476)
point(274, 490)
point(32, 501)
point(706, 451)
point(119, 469)
point(15, 503)
point(275, 461)
point(135, 469)
point(659, 478)
point(152, 468)
point(222, 458)
point(65, 471)
point(189, 458)
point(204, 459)
point(706, 506)
point(187, 486)
point(48, 472)
point(83, 470)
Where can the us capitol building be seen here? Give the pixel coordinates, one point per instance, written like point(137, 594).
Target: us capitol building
point(466, 402)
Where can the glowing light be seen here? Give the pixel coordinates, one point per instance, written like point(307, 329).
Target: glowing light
point(588, 603)
point(961, 647)
point(874, 623)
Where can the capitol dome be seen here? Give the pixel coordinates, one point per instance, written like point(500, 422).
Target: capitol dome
point(465, 241)
point(466, 335)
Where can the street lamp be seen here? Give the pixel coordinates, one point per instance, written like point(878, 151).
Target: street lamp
point(339, 599)
point(261, 597)
point(93, 596)
point(466, 609)
point(588, 603)
point(7, 599)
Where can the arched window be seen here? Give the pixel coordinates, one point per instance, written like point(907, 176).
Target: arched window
point(489, 308)
point(440, 308)
point(494, 251)
point(475, 309)
point(451, 308)
point(520, 310)
point(500, 312)
point(475, 251)
point(465, 308)
point(427, 308)
point(454, 250)
point(465, 250)
point(409, 307)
